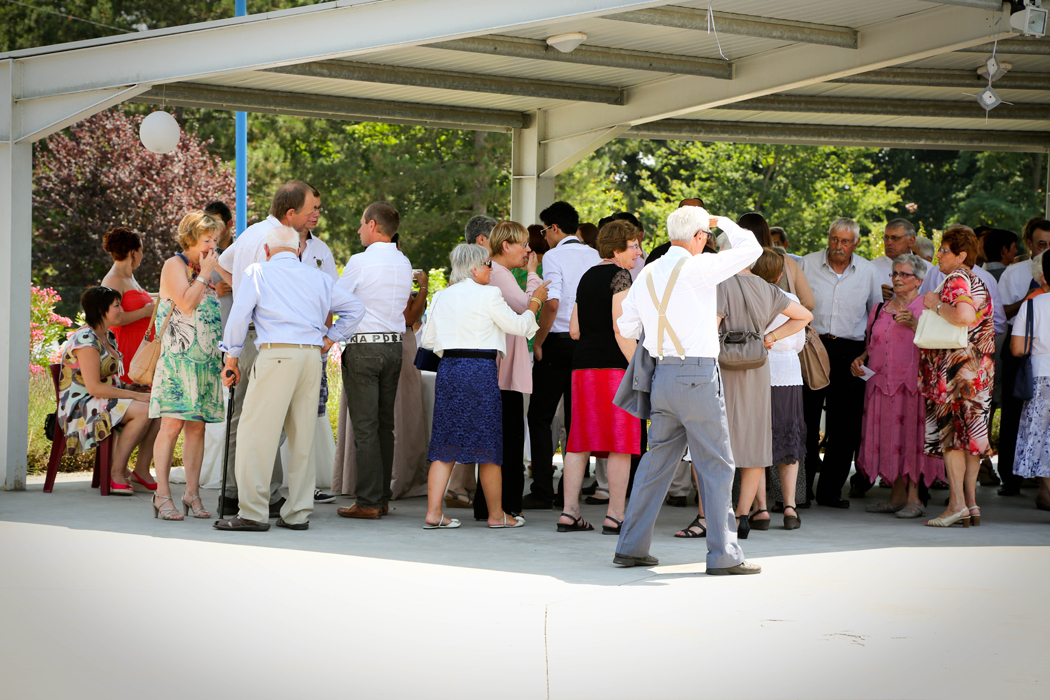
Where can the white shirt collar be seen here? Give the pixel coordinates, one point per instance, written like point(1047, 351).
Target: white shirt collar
point(567, 239)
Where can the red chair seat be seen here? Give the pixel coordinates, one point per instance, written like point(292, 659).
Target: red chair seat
point(103, 451)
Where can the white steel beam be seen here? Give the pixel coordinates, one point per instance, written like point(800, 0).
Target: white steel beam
point(326, 31)
point(909, 38)
point(530, 191)
point(744, 25)
point(16, 203)
point(45, 115)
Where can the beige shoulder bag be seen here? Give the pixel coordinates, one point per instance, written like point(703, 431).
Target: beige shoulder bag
point(144, 363)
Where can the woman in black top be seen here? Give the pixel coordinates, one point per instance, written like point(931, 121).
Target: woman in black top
point(599, 361)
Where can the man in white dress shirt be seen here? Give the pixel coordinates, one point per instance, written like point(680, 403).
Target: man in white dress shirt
point(294, 205)
point(688, 407)
point(897, 239)
point(288, 303)
point(381, 277)
point(846, 288)
point(563, 266)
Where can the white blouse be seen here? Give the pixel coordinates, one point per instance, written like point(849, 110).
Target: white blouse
point(784, 367)
point(472, 316)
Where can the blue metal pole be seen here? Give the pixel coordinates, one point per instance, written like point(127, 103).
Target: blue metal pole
point(241, 207)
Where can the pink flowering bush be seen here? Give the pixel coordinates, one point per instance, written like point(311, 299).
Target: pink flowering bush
point(47, 330)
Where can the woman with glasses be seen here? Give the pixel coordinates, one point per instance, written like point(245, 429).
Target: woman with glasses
point(187, 389)
point(509, 247)
point(957, 384)
point(893, 432)
point(598, 365)
point(467, 327)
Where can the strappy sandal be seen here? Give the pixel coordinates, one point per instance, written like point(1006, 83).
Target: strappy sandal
point(606, 530)
point(578, 525)
point(792, 522)
point(168, 512)
point(454, 499)
point(187, 506)
point(975, 516)
point(689, 533)
point(758, 524)
point(517, 520)
point(911, 510)
point(441, 525)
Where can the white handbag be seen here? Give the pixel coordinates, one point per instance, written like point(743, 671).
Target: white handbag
point(934, 332)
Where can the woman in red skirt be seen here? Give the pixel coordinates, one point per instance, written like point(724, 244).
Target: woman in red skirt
point(599, 362)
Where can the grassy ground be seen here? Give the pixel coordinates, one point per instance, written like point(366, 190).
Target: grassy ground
point(42, 402)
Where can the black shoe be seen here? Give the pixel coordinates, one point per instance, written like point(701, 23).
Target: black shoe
point(531, 502)
point(296, 526)
point(857, 492)
point(677, 501)
point(559, 500)
point(803, 506)
point(628, 560)
point(743, 528)
point(275, 508)
point(840, 503)
point(231, 506)
point(595, 501)
point(322, 497)
point(1005, 490)
point(589, 490)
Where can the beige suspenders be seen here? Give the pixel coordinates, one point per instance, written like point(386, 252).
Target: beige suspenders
point(661, 310)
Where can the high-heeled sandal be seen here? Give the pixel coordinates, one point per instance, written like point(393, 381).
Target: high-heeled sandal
point(743, 528)
point(116, 489)
point(187, 506)
point(791, 522)
point(606, 530)
point(975, 516)
point(962, 516)
point(165, 512)
point(762, 524)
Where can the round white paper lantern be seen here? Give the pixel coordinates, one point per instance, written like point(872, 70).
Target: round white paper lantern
point(160, 132)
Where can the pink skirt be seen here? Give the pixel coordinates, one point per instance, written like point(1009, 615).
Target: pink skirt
point(597, 426)
point(893, 435)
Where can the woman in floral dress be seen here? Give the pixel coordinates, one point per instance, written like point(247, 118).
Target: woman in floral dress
point(187, 390)
point(957, 384)
point(92, 404)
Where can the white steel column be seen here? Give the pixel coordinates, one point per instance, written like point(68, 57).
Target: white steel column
point(529, 192)
point(16, 201)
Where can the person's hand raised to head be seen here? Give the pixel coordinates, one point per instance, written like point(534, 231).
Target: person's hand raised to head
point(713, 223)
point(532, 264)
point(208, 263)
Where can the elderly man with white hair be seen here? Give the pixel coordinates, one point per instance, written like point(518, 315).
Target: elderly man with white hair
point(897, 239)
point(846, 288)
point(674, 302)
point(289, 303)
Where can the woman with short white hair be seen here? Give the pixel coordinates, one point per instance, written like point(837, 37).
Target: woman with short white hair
point(467, 328)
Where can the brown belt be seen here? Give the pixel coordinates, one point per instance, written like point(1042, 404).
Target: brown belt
point(281, 346)
point(829, 336)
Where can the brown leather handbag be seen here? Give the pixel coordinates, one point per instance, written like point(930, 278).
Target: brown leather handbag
point(144, 362)
point(816, 365)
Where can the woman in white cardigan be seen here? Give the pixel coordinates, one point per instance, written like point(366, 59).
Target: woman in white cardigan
point(467, 327)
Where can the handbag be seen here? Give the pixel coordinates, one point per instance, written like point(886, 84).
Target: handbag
point(426, 360)
point(935, 332)
point(144, 362)
point(742, 350)
point(813, 359)
point(1024, 381)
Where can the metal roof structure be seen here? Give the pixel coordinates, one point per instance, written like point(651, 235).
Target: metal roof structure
point(832, 72)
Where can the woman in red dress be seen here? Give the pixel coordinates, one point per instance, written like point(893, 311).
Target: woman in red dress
point(126, 248)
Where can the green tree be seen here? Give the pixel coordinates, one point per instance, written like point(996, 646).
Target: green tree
point(1004, 190)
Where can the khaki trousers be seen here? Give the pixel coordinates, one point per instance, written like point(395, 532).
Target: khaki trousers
point(283, 393)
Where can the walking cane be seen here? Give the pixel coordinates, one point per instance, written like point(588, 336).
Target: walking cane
point(226, 451)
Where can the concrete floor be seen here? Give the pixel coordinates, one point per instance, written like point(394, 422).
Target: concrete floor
point(99, 600)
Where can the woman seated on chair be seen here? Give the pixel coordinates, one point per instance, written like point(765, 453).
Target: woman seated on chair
point(91, 402)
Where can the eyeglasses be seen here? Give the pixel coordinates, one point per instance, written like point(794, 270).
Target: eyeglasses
point(488, 264)
point(896, 274)
point(944, 251)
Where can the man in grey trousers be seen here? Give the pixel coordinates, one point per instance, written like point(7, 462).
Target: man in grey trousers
point(674, 302)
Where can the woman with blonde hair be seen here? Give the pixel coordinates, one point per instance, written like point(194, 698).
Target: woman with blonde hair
point(187, 389)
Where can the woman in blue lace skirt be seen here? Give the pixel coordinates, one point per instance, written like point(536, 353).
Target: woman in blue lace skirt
point(467, 328)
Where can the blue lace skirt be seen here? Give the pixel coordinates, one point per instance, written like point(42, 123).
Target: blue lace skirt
point(468, 412)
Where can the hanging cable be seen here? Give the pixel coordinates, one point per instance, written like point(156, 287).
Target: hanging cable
point(711, 28)
point(65, 15)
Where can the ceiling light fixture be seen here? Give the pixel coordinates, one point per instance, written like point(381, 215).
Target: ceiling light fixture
point(567, 42)
point(1028, 17)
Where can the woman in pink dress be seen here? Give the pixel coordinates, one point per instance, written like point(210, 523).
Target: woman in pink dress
point(126, 248)
point(509, 248)
point(894, 427)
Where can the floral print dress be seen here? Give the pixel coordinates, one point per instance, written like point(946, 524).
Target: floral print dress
point(85, 419)
point(187, 384)
point(957, 384)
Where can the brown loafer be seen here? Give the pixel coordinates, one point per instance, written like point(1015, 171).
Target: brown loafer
point(383, 510)
point(356, 511)
point(628, 560)
point(239, 523)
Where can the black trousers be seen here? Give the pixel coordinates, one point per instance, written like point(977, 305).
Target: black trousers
point(843, 402)
point(513, 467)
point(1009, 420)
point(551, 379)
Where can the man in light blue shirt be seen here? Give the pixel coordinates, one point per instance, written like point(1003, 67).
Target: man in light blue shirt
point(288, 302)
